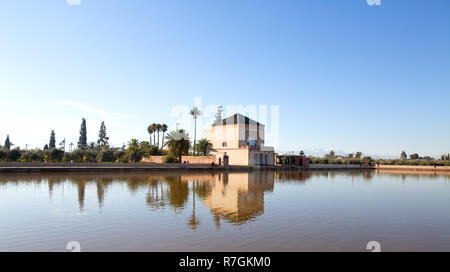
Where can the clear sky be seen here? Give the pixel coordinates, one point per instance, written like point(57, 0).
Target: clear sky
point(345, 75)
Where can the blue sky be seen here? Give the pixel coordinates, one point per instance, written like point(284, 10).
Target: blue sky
point(345, 75)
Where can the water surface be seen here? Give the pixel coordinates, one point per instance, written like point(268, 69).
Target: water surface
point(257, 211)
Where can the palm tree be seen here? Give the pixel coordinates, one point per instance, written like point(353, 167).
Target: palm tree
point(133, 151)
point(154, 130)
point(150, 131)
point(158, 129)
point(163, 129)
point(178, 143)
point(195, 112)
point(204, 146)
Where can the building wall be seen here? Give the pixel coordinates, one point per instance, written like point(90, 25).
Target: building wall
point(154, 159)
point(268, 158)
point(220, 134)
point(188, 159)
point(235, 135)
point(237, 156)
point(200, 159)
point(243, 143)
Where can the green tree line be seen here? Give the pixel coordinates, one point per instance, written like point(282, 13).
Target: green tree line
point(177, 144)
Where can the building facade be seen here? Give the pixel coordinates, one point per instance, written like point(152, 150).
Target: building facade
point(242, 139)
point(293, 160)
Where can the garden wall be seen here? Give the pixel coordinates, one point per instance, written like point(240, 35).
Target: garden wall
point(187, 159)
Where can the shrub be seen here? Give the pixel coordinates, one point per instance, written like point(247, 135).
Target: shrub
point(119, 154)
point(3, 155)
point(123, 158)
point(14, 154)
point(54, 154)
point(106, 155)
point(324, 161)
point(134, 155)
point(170, 158)
point(32, 156)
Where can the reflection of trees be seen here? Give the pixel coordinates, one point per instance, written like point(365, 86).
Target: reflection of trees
point(292, 175)
point(193, 221)
point(100, 192)
point(155, 196)
point(178, 193)
point(232, 197)
point(81, 185)
point(203, 189)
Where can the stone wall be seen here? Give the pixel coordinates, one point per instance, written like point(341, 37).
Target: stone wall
point(200, 159)
point(154, 159)
point(187, 159)
point(338, 166)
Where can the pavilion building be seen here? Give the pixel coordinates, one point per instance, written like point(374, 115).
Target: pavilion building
point(241, 139)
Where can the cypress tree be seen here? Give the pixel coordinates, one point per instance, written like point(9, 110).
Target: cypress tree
point(102, 138)
point(82, 141)
point(52, 143)
point(7, 143)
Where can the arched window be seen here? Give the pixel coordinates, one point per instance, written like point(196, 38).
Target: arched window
point(261, 159)
point(265, 160)
point(256, 158)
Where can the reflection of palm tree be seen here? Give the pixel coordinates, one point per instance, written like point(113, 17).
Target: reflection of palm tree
point(177, 192)
point(155, 198)
point(193, 221)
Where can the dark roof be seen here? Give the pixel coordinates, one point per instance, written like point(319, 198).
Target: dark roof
point(236, 119)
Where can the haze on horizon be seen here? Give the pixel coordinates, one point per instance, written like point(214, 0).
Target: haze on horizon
point(345, 75)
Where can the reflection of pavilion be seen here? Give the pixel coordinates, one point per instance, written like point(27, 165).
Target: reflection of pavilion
point(239, 197)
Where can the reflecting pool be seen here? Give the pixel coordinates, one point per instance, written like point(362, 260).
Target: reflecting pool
point(255, 211)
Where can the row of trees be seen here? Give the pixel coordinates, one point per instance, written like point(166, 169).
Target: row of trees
point(415, 156)
point(92, 152)
point(177, 142)
point(332, 158)
point(358, 158)
point(105, 154)
point(82, 140)
point(155, 129)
